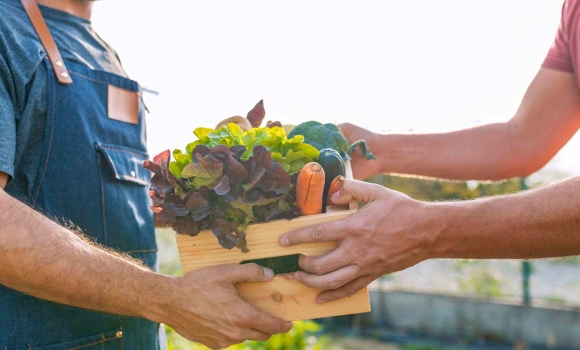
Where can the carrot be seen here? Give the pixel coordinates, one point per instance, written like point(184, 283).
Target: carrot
point(335, 185)
point(310, 189)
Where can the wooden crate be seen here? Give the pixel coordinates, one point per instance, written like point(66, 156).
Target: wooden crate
point(284, 296)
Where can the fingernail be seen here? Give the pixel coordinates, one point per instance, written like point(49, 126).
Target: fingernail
point(320, 301)
point(284, 241)
point(268, 273)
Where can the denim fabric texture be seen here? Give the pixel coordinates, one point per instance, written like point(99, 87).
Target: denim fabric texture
point(23, 87)
point(90, 175)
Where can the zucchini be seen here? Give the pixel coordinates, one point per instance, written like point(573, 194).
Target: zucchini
point(333, 165)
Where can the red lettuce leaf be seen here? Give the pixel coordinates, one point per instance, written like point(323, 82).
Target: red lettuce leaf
point(238, 151)
point(271, 124)
point(232, 167)
point(226, 231)
point(233, 194)
point(223, 187)
point(257, 114)
point(264, 174)
point(166, 217)
point(163, 181)
point(186, 225)
point(199, 205)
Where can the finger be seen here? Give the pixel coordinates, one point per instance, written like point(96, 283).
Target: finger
point(269, 324)
point(333, 280)
point(256, 335)
point(356, 190)
point(326, 263)
point(330, 231)
point(234, 273)
point(345, 291)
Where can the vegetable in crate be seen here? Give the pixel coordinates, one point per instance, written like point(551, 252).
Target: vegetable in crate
point(329, 136)
point(242, 122)
point(335, 186)
point(228, 179)
point(257, 114)
point(333, 166)
point(310, 189)
point(292, 153)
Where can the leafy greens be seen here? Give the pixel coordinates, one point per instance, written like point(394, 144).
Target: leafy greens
point(228, 186)
point(292, 153)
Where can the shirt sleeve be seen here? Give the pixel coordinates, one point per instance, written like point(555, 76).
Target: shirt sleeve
point(559, 57)
point(7, 120)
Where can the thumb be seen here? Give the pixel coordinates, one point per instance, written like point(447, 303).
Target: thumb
point(355, 190)
point(248, 273)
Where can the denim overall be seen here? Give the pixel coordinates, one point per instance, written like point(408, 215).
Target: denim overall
point(90, 175)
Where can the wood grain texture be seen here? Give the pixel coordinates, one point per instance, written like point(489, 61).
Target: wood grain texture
point(204, 250)
point(290, 300)
point(284, 296)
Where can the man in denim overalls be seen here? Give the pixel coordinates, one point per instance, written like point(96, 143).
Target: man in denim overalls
point(72, 141)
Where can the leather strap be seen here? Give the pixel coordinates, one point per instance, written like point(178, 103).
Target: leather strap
point(33, 11)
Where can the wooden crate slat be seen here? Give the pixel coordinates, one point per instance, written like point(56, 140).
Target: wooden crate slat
point(290, 300)
point(204, 250)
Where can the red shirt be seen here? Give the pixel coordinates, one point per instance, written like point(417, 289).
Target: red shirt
point(564, 55)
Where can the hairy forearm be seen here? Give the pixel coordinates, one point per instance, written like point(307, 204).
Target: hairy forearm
point(548, 116)
point(43, 259)
point(488, 152)
point(539, 223)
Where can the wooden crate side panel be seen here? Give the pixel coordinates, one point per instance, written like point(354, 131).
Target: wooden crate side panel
point(204, 250)
point(290, 300)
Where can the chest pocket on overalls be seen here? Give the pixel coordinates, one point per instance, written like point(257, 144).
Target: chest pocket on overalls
point(124, 190)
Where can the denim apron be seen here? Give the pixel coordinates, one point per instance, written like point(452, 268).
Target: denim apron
point(90, 175)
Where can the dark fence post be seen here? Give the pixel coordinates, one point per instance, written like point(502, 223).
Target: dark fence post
point(526, 266)
point(526, 272)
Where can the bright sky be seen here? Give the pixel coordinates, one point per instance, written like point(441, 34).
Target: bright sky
point(387, 65)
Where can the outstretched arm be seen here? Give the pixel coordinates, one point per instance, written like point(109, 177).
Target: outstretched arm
point(43, 259)
point(393, 232)
point(548, 116)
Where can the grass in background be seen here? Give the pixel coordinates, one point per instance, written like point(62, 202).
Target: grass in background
point(303, 336)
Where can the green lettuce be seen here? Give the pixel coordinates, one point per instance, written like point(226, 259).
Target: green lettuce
point(292, 154)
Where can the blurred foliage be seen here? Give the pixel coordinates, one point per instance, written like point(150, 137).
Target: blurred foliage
point(556, 299)
point(570, 260)
point(303, 336)
point(420, 346)
point(482, 277)
point(481, 282)
point(436, 190)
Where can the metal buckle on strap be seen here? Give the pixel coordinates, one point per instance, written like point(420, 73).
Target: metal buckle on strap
point(33, 11)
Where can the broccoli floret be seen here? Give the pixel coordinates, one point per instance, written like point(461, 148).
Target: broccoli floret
point(322, 136)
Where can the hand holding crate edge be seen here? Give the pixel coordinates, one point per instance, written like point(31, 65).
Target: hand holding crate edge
point(240, 186)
